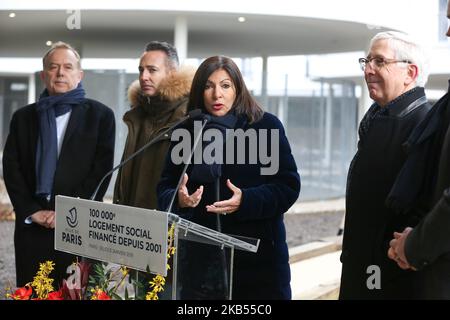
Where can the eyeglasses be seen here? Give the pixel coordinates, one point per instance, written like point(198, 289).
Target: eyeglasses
point(377, 62)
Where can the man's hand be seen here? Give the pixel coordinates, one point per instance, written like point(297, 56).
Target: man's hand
point(45, 218)
point(396, 251)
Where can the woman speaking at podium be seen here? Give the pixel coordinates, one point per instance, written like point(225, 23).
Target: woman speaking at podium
point(241, 181)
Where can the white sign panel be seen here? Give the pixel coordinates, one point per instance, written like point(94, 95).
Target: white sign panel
point(128, 236)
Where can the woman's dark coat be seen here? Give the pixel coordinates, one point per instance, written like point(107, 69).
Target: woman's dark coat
point(265, 198)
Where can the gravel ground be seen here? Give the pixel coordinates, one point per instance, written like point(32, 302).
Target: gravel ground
point(304, 228)
point(7, 265)
point(301, 228)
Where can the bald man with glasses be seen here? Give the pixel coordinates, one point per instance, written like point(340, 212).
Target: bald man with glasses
point(395, 73)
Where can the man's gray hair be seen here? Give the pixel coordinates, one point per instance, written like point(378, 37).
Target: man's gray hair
point(168, 49)
point(406, 48)
point(61, 45)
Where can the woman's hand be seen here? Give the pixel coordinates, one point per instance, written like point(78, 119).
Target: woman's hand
point(184, 199)
point(227, 206)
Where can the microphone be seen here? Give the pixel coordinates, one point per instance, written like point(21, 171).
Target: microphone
point(206, 118)
point(194, 114)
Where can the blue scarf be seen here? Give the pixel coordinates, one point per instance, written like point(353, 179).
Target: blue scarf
point(208, 173)
point(48, 108)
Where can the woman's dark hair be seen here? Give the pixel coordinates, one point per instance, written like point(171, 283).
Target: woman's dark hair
point(244, 102)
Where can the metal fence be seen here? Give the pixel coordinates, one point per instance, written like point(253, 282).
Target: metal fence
point(322, 131)
point(321, 126)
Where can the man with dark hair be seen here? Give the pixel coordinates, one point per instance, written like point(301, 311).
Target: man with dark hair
point(423, 189)
point(61, 145)
point(158, 99)
point(168, 49)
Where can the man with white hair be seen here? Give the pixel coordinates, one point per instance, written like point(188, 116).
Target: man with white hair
point(395, 72)
point(425, 179)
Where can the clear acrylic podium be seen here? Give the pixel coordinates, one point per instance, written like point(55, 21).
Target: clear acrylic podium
point(211, 276)
point(201, 267)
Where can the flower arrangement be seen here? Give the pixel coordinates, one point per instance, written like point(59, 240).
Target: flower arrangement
point(158, 282)
point(98, 281)
point(40, 289)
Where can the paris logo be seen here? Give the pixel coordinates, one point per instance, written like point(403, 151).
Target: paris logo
point(72, 219)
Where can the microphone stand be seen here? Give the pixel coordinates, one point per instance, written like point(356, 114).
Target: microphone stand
point(223, 257)
point(188, 162)
point(172, 200)
point(217, 196)
point(191, 115)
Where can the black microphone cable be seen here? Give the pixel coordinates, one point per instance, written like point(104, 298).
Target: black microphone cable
point(196, 113)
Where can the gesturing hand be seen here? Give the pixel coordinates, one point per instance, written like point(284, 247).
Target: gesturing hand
point(186, 200)
point(227, 206)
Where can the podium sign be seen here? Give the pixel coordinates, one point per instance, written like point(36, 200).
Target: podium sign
point(133, 237)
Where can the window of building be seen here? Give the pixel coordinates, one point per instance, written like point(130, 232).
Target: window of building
point(443, 21)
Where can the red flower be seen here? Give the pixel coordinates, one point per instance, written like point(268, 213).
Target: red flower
point(55, 295)
point(23, 293)
point(101, 295)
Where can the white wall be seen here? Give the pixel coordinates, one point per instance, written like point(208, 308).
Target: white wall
point(399, 14)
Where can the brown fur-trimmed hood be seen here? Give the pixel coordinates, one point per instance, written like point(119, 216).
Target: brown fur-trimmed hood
point(176, 86)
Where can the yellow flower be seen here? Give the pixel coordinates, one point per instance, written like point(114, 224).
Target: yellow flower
point(151, 296)
point(42, 284)
point(124, 270)
point(158, 282)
